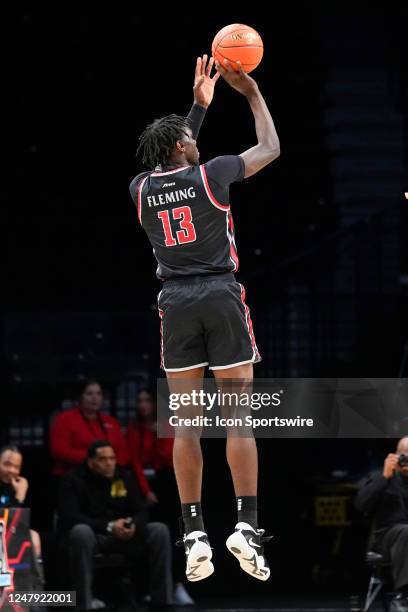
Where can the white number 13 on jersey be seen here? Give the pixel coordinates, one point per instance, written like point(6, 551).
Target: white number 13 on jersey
point(187, 232)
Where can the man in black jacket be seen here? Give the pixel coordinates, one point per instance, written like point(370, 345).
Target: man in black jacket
point(386, 495)
point(102, 510)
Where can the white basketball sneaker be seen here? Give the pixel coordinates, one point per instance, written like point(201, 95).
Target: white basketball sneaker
point(198, 556)
point(246, 545)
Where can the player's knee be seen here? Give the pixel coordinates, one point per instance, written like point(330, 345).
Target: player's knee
point(188, 432)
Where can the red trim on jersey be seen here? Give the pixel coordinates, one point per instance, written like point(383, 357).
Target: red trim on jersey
point(249, 323)
point(139, 198)
point(210, 194)
point(234, 257)
point(170, 171)
point(161, 315)
point(233, 250)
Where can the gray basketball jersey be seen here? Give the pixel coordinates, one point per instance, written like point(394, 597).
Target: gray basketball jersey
point(190, 231)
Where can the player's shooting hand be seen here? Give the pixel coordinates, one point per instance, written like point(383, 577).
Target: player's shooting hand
point(204, 83)
point(390, 465)
point(20, 486)
point(238, 79)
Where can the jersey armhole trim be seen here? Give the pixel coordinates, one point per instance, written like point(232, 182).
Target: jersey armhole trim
point(139, 199)
point(210, 194)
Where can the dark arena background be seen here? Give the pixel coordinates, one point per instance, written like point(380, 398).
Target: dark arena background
point(322, 235)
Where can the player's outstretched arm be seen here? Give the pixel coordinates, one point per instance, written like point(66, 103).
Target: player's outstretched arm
point(268, 147)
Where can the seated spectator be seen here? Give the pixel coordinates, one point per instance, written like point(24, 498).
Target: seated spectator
point(102, 510)
point(145, 448)
point(13, 492)
point(74, 430)
point(385, 494)
point(156, 454)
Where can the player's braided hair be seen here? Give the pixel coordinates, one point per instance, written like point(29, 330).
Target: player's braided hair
point(158, 140)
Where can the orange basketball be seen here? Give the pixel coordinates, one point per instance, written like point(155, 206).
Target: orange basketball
point(238, 42)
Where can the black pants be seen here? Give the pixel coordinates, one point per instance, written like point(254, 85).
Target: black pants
point(168, 511)
point(393, 545)
point(154, 550)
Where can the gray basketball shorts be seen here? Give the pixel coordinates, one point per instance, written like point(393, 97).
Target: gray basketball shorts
point(205, 322)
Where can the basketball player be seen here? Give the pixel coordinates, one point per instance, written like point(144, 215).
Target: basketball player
point(184, 208)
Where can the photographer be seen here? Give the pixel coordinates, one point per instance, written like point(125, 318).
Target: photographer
point(101, 510)
point(386, 495)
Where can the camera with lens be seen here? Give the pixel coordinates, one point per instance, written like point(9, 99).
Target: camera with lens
point(403, 461)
